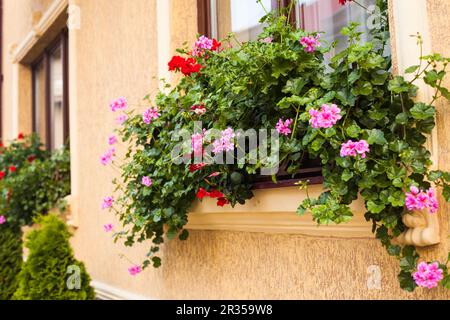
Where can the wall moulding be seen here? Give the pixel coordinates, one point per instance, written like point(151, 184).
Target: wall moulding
point(44, 31)
point(274, 211)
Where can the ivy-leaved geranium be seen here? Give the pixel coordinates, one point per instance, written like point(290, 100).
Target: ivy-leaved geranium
point(350, 112)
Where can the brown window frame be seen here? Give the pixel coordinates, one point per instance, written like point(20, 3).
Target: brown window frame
point(313, 172)
point(61, 41)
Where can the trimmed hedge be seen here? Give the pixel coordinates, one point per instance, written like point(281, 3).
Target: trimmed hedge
point(10, 259)
point(51, 271)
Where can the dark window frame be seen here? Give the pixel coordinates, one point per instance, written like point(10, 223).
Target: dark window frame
point(313, 172)
point(61, 41)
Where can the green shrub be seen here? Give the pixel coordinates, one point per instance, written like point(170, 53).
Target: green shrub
point(51, 272)
point(35, 188)
point(10, 259)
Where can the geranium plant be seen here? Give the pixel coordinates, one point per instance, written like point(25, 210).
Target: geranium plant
point(351, 112)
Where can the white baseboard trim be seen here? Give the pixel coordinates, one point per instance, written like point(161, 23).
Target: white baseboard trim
point(104, 291)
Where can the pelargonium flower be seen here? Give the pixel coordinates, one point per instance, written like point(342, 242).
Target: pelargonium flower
point(31, 158)
point(150, 114)
point(134, 270)
point(108, 227)
point(118, 104)
point(353, 148)
point(428, 275)
point(343, 2)
point(2, 174)
point(283, 127)
point(204, 43)
point(187, 66)
point(112, 139)
point(20, 136)
point(326, 117)
point(196, 166)
point(146, 181)
point(310, 43)
point(222, 202)
point(121, 119)
point(107, 202)
point(199, 109)
point(2, 220)
point(107, 157)
point(215, 194)
point(201, 193)
point(419, 199)
point(12, 169)
point(225, 143)
point(197, 143)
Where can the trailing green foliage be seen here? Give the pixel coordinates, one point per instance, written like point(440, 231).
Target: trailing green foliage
point(51, 272)
point(10, 259)
point(254, 84)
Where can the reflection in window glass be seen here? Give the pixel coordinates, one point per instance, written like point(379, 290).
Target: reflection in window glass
point(39, 101)
point(56, 99)
point(240, 17)
point(330, 17)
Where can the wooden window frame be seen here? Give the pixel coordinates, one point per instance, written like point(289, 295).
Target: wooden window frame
point(61, 41)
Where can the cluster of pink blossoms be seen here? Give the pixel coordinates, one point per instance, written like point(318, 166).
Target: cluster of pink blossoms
point(108, 156)
point(150, 114)
point(107, 202)
point(134, 270)
point(197, 143)
point(204, 43)
point(108, 227)
point(326, 117)
point(225, 143)
point(353, 148)
point(310, 43)
point(283, 126)
point(146, 181)
point(199, 109)
point(2, 220)
point(428, 275)
point(112, 139)
point(419, 199)
point(118, 104)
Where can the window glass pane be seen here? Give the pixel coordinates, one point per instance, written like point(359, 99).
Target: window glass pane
point(330, 17)
point(39, 101)
point(56, 98)
point(240, 17)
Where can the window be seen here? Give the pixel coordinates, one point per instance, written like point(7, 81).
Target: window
point(50, 94)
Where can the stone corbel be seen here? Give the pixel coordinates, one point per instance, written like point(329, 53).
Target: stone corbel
point(423, 229)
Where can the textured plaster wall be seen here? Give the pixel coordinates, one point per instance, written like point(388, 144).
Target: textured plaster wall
point(115, 53)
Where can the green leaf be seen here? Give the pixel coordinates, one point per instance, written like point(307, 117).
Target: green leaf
point(398, 85)
point(422, 111)
point(406, 281)
point(184, 235)
point(412, 69)
point(353, 130)
point(446, 192)
point(376, 136)
point(402, 118)
point(347, 175)
point(375, 207)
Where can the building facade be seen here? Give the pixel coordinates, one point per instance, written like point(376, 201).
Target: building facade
point(63, 61)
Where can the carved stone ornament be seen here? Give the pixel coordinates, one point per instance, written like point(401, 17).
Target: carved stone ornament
point(423, 229)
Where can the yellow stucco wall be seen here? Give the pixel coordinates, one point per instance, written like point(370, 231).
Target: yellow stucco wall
point(114, 53)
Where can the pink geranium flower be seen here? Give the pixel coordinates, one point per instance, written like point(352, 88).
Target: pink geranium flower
point(326, 117)
point(134, 270)
point(149, 115)
point(310, 43)
point(118, 104)
point(107, 202)
point(283, 127)
point(108, 227)
point(121, 119)
point(112, 139)
point(226, 141)
point(428, 275)
point(108, 156)
point(2, 220)
point(353, 148)
point(146, 181)
point(419, 199)
point(197, 143)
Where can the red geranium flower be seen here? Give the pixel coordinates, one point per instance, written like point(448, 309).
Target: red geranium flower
point(1, 144)
point(2, 174)
point(215, 45)
point(31, 158)
point(222, 202)
point(194, 167)
point(20, 136)
point(202, 193)
point(12, 169)
point(186, 66)
point(216, 194)
point(343, 2)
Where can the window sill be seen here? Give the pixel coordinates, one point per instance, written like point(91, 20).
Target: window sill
point(273, 211)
